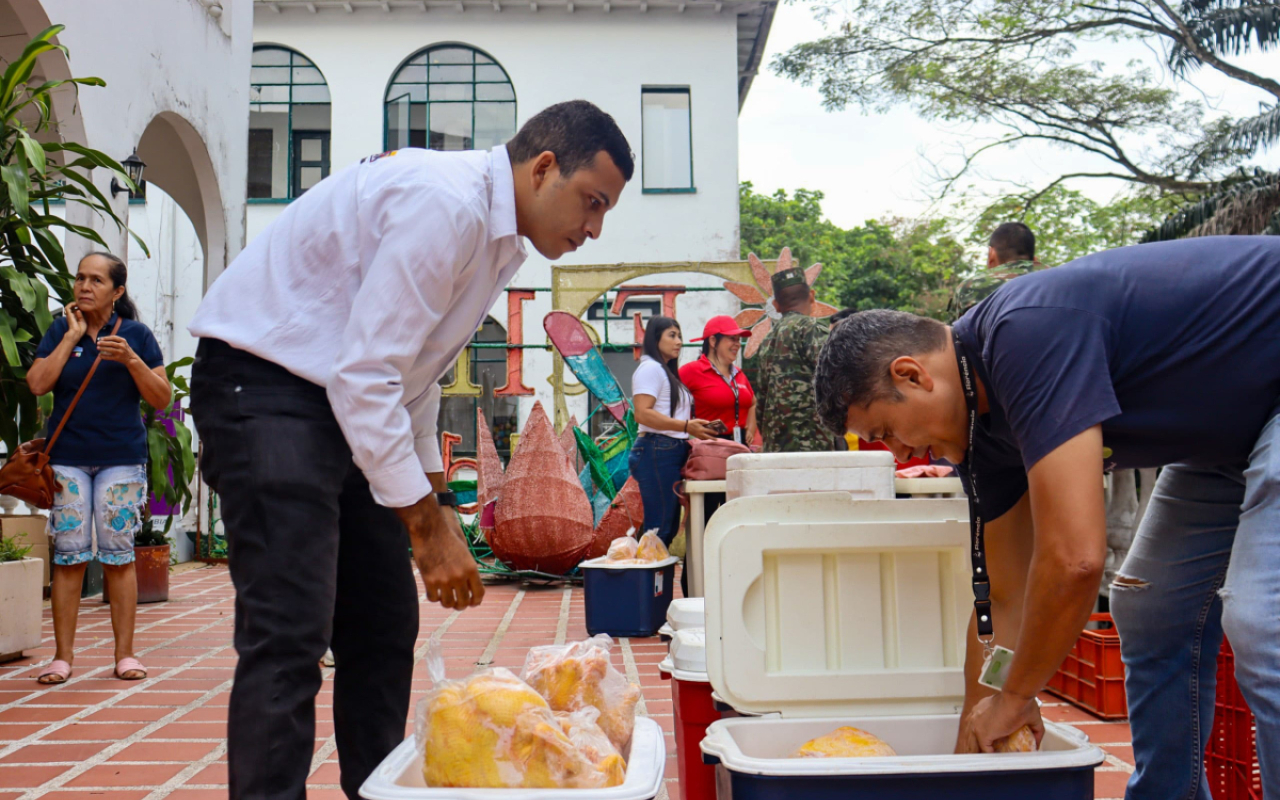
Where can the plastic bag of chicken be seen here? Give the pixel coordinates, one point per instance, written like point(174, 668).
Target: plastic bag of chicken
point(846, 742)
point(493, 731)
point(651, 549)
point(622, 550)
point(583, 729)
point(580, 675)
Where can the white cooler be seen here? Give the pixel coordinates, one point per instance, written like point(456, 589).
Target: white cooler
point(684, 614)
point(864, 474)
point(831, 611)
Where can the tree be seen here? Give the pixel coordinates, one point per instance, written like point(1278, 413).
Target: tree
point(1012, 63)
point(909, 265)
point(1068, 225)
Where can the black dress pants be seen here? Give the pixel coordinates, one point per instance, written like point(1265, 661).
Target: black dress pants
point(316, 563)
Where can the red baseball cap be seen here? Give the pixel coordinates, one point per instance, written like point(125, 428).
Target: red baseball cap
point(724, 326)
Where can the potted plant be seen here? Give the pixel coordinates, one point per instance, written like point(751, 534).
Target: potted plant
point(151, 557)
point(21, 596)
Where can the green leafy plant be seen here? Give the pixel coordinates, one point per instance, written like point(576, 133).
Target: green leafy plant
point(34, 175)
point(170, 454)
point(148, 536)
point(12, 551)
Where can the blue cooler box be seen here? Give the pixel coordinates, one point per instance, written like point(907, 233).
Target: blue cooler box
point(823, 612)
point(627, 600)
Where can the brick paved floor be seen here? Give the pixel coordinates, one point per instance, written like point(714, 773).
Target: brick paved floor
point(101, 738)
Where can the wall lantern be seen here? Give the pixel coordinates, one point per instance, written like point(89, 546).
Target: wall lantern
point(134, 167)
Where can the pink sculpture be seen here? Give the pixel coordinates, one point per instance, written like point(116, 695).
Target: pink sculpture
point(760, 320)
point(625, 512)
point(489, 475)
point(569, 443)
point(543, 518)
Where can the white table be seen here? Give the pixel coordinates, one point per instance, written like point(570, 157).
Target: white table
point(697, 491)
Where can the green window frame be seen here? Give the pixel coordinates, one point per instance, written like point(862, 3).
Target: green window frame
point(284, 82)
point(449, 97)
point(653, 159)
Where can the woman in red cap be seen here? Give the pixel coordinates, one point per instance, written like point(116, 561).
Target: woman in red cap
point(721, 391)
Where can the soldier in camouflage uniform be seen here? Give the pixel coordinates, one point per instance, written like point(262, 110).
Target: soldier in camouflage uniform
point(784, 384)
point(1011, 253)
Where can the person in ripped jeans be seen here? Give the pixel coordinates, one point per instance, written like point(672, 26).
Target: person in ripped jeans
point(101, 455)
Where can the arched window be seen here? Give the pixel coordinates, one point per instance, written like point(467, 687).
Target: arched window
point(450, 97)
point(289, 124)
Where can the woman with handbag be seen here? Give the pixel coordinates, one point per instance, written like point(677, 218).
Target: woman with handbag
point(664, 413)
point(98, 361)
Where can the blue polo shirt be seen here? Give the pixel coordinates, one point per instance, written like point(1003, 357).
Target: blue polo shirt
point(1173, 348)
point(106, 428)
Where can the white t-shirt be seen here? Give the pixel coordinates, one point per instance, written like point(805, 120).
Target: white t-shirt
point(651, 378)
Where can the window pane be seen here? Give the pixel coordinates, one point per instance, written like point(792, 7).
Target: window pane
point(270, 108)
point(299, 60)
point(450, 126)
point(450, 74)
point(307, 75)
point(269, 163)
point(494, 91)
point(667, 158)
point(495, 124)
point(412, 74)
point(481, 58)
point(398, 123)
point(450, 91)
point(490, 72)
point(311, 94)
point(310, 177)
point(416, 92)
point(269, 75)
point(270, 56)
point(268, 94)
point(450, 55)
point(311, 149)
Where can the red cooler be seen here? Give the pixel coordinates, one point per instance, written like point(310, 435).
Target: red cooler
point(686, 668)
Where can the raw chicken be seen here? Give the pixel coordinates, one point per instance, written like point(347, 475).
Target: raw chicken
point(580, 675)
point(622, 549)
point(847, 742)
point(583, 729)
point(651, 548)
point(1020, 741)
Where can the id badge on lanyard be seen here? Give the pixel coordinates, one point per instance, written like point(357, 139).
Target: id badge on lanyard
point(977, 523)
point(737, 431)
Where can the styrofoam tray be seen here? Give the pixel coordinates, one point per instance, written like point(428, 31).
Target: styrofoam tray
point(924, 744)
point(687, 612)
point(399, 776)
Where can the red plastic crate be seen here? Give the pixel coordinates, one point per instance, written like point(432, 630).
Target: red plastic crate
point(1092, 676)
point(1231, 759)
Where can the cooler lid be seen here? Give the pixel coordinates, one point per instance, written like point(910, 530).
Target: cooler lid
point(821, 605)
point(687, 612)
point(855, 459)
point(689, 650)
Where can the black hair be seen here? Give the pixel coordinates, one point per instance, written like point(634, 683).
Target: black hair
point(842, 314)
point(790, 297)
point(709, 343)
point(1013, 241)
point(119, 277)
point(652, 335)
point(575, 131)
point(853, 368)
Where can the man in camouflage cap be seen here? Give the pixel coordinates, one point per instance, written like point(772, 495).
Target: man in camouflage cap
point(1011, 252)
point(784, 376)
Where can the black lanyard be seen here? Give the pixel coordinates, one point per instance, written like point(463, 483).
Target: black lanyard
point(977, 525)
point(733, 384)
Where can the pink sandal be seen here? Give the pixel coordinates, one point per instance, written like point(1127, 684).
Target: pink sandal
point(57, 672)
point(127, 665)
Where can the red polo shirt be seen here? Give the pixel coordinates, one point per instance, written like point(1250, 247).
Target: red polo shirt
point(712, 396)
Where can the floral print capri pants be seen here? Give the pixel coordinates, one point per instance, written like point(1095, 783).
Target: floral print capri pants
point(107, 500)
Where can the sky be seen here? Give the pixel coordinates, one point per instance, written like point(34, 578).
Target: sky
point(873, 165)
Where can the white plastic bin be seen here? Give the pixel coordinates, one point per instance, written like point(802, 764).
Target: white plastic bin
point(830, 611)
point(684, 613)
point(866, 475)
point(399, 776)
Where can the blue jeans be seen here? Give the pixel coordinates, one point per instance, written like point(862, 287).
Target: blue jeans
point(655, 462)
point(105, 500)
point(1206, 560)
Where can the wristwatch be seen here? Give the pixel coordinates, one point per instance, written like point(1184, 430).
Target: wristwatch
point(447, 498)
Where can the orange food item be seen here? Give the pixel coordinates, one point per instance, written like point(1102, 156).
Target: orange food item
point(1020, 741)
point(580, 675)
point(846, 742)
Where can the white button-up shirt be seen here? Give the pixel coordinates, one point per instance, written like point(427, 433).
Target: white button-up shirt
point(370, 285)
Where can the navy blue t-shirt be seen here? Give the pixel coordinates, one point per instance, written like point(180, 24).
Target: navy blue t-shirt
point(106, 428)
point(1173, 347)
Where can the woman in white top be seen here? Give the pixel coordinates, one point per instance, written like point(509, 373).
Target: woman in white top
point(663, 409)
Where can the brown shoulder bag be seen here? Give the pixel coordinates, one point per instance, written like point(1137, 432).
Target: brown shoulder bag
point(27, 474)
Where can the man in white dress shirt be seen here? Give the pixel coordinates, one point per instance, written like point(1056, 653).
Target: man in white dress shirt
point(315, 392)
